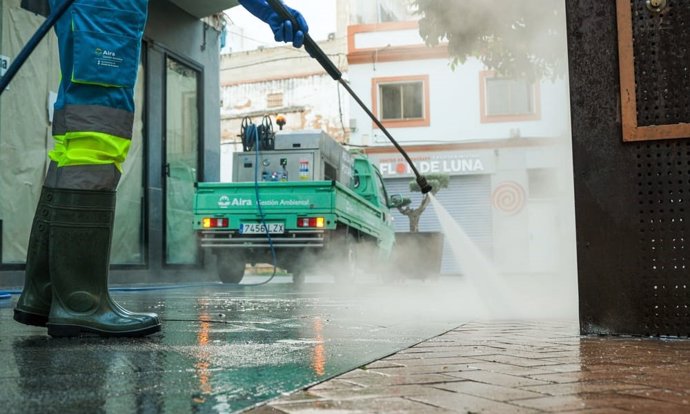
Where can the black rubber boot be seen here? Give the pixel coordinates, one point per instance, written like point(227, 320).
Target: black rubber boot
point(80, 237)
point(34, 303)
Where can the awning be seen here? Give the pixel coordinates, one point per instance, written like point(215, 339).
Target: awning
point(204, 8)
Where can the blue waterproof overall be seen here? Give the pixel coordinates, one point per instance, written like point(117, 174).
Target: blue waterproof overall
point(99, 44)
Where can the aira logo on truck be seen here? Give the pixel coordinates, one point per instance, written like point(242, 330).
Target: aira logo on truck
point(225, 202)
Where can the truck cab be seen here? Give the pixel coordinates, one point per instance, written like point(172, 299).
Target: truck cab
point(368, 183)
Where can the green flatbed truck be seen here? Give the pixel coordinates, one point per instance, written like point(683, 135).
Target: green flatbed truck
point(319, 203)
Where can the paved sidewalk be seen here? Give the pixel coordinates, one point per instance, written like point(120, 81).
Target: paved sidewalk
point(510, 367)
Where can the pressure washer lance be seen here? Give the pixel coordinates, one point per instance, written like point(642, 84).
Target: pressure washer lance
point(32, 43)
point(315, 51)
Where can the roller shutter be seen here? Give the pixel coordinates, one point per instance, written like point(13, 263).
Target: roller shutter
point(467, 199)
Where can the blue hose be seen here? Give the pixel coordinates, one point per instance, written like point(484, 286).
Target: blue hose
point(253, 130)
point(7, 294)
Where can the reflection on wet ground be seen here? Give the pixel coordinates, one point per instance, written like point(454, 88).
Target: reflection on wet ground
point(511, 367)
point(221, 349)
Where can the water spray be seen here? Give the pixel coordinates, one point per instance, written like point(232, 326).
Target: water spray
point(315, 51)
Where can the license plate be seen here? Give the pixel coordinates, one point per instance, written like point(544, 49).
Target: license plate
point(258, 228)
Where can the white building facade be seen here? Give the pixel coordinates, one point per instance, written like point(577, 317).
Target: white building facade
point(504, 142)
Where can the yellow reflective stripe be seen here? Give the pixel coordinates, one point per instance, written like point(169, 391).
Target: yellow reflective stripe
point(56, 153)
point(83, 82)
point(93, 148)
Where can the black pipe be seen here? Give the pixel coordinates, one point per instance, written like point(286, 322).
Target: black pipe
point(315, 51)
point(32, 43)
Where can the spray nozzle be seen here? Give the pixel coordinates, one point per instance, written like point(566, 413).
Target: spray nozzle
point(423, 184)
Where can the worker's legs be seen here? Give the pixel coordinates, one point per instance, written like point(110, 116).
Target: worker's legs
point(99, 43)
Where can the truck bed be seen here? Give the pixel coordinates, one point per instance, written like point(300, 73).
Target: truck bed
point(282, 203)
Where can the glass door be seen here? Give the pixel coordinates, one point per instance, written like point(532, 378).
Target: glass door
point(181, 161)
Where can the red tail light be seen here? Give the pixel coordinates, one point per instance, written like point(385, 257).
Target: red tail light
point(311, 222)
point(214, 223)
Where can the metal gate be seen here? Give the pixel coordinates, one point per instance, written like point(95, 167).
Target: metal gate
point(631, 124)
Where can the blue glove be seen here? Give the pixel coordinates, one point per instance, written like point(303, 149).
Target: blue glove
point(282, 29)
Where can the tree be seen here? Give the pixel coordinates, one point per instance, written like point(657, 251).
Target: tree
point(437, 182)
point(518, 39)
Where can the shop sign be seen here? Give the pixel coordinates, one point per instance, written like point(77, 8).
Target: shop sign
point(457, 163)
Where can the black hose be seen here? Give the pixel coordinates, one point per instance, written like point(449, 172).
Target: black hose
point(315, 51)
point(28, 49)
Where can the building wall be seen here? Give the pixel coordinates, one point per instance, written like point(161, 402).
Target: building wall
point(532, 221)
point(25, 133)
point(310, 98)
point(455, 110)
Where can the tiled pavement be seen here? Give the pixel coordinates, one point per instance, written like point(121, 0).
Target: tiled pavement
point(510, 367)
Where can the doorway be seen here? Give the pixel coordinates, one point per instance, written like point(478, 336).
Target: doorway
point(181, 168)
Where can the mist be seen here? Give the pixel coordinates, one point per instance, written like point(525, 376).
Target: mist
point(529, 271)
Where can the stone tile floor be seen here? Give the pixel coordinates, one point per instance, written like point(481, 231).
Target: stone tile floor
point(510, 367)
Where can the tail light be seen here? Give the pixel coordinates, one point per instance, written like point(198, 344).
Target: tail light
point(311, 222)
point(214, 223)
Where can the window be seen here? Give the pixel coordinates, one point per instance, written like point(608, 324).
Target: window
point(402, 101)
point(383, 196)
point(274, 100)
point(380, 11)
point(506, 99)
point(183, 131)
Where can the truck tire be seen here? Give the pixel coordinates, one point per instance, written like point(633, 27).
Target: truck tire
point(298, 277)
point(346, 251)
point(230, 269)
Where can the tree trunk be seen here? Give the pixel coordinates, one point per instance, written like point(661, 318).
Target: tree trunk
point(414, 221)
point(414, 214)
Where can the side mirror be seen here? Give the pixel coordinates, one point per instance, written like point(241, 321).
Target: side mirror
point(397, 201)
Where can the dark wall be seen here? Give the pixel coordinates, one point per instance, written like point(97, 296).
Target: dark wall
point(631, 198)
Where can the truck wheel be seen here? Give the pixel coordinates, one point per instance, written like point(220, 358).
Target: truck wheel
point(298, 277)
point(347, 251)
point(230, 269)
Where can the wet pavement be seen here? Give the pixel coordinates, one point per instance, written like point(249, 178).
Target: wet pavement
point(416, 347)
point(511, 367)
point(221, 349)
